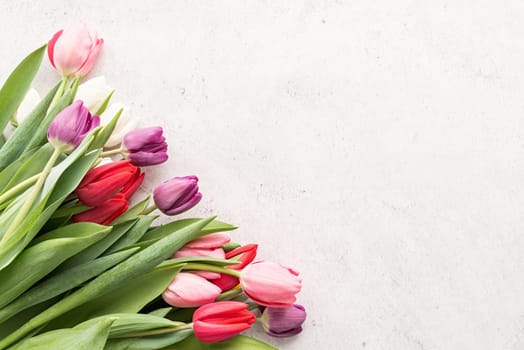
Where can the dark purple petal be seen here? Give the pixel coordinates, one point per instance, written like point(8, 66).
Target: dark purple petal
point(147, 159)
point(283, 322)
point(177, 195)
point(185, 206)
point(137, 139)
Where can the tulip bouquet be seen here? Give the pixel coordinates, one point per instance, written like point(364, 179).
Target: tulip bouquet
point(83, 265)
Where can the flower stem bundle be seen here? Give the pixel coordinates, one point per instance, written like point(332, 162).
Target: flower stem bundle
point(83, 263)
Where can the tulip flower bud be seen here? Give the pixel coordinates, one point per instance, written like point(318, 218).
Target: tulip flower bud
point(104, 181)
point(283, 322)
point(221, 320)
point(30, 101)
point(70, 126)
point(146, 146)
point(270, 284)
point(28, 104)
point(94, 92)
point(209, 245)
point(190, 290)
point(104, 213)
point(73, 51)
point(244, 255)
point(177, 195)
point(125, 123)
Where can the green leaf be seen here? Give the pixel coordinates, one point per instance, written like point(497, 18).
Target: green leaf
point(133, 212)
point(99, 247)
point(11, 171)
point(23, 134)
point(59, 283)
point(32, 166)
point(117, 277)
point(21, 318)
point(132, 298)
point(69, 173)
point(240, 342)
point(161, 312)
point(161, 231)
point(130, 323)
point(107, 130)
point(105, 103)
point(40, 259)
point(17, 85)
point(134, 234)
point(90, 335)
point(149, 343)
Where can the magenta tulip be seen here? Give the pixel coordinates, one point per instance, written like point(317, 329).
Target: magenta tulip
point(177, 195)
point(70, 126)
point(270, 284)
point(283, 322)
point(146, 146)
point(73, 51)
point(190, 290)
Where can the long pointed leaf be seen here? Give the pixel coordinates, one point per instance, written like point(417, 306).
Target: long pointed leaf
point(40, 259)
point(63, 282)
point(17, 85)
point(23, 134)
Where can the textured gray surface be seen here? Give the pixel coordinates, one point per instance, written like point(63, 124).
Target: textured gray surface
point(376, 146)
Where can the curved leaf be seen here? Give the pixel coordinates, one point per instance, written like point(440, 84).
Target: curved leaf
point(17, 85)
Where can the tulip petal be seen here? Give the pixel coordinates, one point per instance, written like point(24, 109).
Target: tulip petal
point(51, 47)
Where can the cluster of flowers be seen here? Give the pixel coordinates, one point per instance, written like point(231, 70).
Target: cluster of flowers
point(70, 239)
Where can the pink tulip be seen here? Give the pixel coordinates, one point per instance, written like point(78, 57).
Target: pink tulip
point(209, 245)
point(73, 51)
point(270, 284)
point(209, 241)
point(190, 290)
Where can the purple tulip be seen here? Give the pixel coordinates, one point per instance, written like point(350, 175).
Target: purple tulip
point(146, 146)
point(283, 322)
point(70, 126)
point(177, 195)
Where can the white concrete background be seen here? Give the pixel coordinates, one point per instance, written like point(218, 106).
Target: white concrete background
point(376, 146)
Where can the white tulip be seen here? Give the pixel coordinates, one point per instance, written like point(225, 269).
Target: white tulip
point(125, 123)
point(30, 101)
point(93, 92)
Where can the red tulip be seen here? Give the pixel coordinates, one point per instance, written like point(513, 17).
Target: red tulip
point(246, 254)
point(219, 321)
point(104, 213)
point(103, 182)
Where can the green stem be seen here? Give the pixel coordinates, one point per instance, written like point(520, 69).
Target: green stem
point(157, 331)
point(32, 196)
point(230, 294)
point(149, 209)
point(18, 188)
point(111, 152)
point(211, 268)
point(58, 93)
